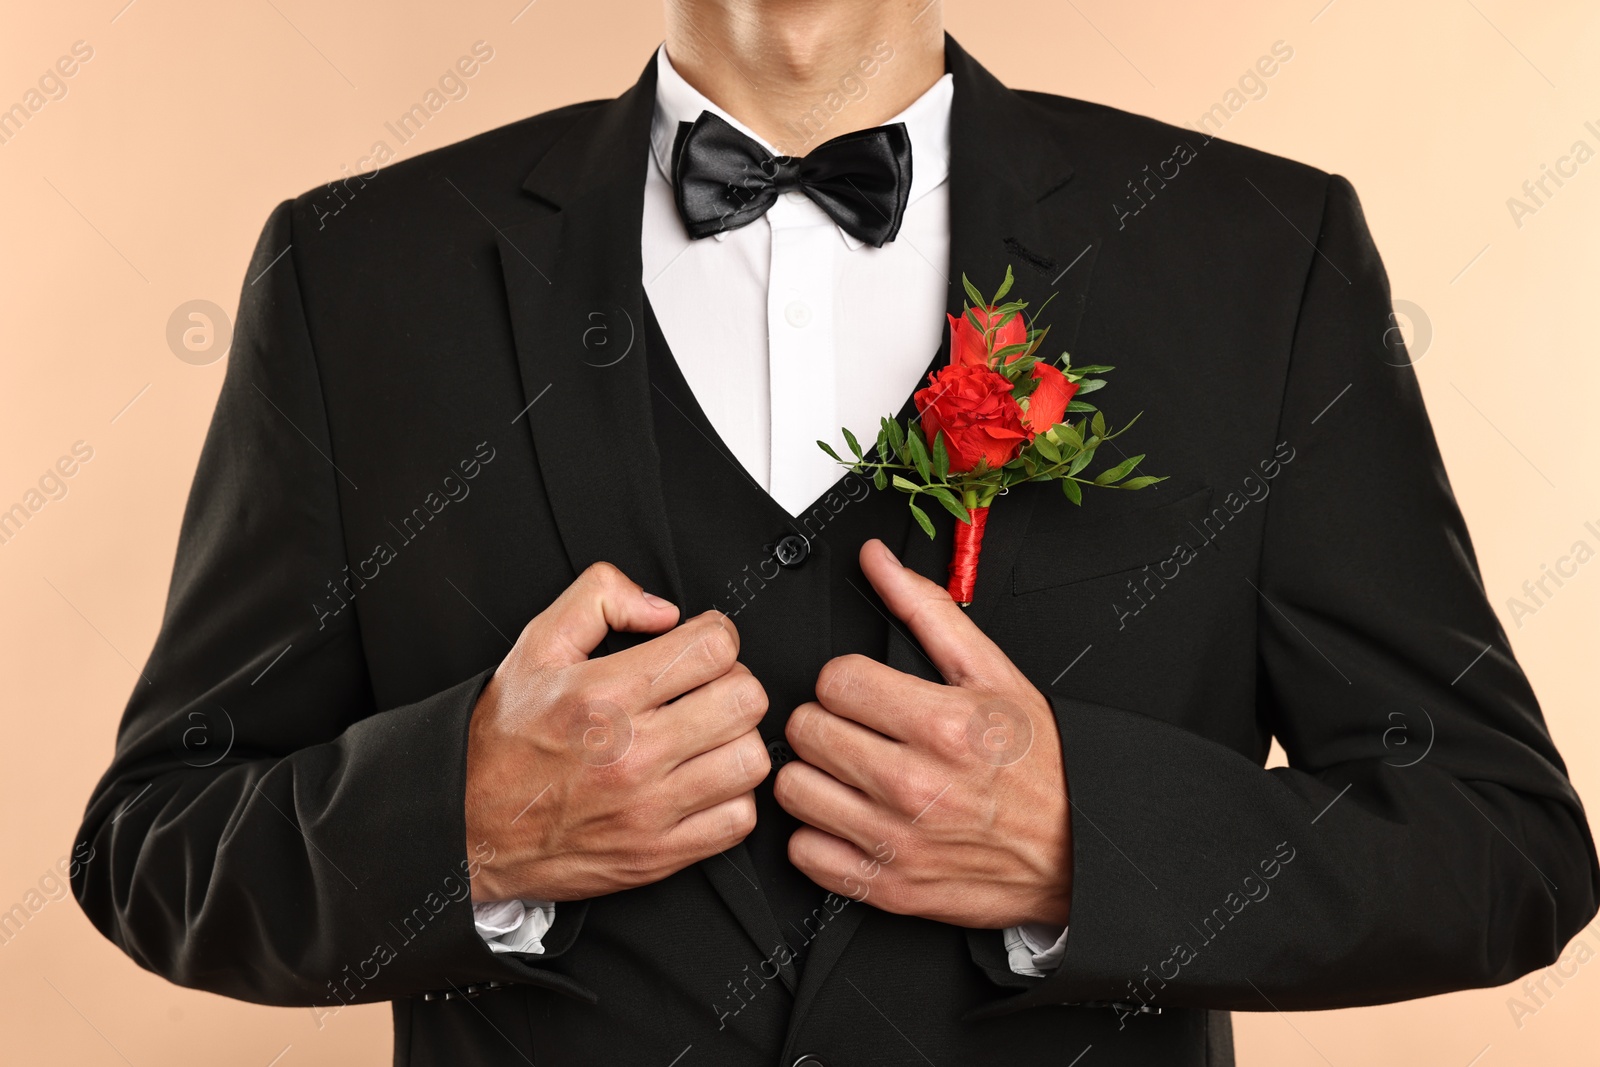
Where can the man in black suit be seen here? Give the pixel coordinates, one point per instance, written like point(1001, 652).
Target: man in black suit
point(492, 390)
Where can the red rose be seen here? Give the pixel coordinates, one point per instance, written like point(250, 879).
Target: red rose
point(966, 340)
point(974, 409)
point(1047, 404)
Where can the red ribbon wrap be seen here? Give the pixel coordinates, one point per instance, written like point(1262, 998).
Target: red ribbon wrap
point(964, 558)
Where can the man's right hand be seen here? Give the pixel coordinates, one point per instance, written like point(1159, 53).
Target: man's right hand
point(591, 776)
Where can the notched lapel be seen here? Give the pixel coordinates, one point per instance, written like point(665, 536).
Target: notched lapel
point(1012, 204)
point(574, 282)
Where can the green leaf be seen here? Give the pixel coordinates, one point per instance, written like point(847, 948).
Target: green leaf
point(1007, 351)
point(1090, 385)
point(972, 317)
point(829, 450)
point(1068, 434)
point(922, 516)
point(1073, 493)
point(973, 294)
point(919, 454)
point(1098, 425)
point(897, 437)
point(1117, 473)
point(1140, 482)
point(1005, 286)
point(951, 504)
point(1080, 461)
point(880, 478)
point(850, 439)
point(906, 484)
point(1095, 368)
point(941, 458)
point(1047, 448)
point(1079, 407)
point(1021, 370)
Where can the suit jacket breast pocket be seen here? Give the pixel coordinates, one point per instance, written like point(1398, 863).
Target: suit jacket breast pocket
point(1112, 533)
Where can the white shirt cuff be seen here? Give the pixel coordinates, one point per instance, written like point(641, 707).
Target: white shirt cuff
point(1035, 949)
point(514, 925)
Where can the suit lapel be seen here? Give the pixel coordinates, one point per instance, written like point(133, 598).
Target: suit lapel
point(1011, 204)
point(733, 875)
point(574, 282)
point(573, 276)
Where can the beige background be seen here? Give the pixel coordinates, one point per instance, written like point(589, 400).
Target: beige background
point(146, 184)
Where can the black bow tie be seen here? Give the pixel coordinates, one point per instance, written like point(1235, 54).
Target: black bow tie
point(724, 180)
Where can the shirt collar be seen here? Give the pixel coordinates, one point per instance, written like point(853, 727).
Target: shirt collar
point(927, 122)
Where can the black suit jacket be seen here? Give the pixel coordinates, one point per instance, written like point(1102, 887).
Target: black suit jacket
point(427, 430)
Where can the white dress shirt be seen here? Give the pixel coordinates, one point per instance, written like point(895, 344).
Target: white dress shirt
point(812, 330)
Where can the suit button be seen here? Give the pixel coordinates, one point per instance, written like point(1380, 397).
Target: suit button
point(791, 551)
point(809, 1061)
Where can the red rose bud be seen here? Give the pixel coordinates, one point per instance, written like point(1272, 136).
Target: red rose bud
point(974, 409)
point(1047, 404)
point(967, 345)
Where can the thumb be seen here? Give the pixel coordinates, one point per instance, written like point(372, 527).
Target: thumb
point(961, 652)
point(601, 600)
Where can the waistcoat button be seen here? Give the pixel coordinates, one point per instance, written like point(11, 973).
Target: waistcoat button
point(791, 550)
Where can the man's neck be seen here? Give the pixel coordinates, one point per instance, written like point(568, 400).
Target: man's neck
point(799, 72)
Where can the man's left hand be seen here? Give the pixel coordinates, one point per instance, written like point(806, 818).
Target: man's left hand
point(947, 802)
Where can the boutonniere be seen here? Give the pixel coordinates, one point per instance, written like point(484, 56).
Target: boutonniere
point(996, 417)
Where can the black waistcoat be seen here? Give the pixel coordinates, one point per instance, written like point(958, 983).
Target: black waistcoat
point(791, 584)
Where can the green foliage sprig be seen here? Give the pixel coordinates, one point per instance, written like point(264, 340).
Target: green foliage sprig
point(905, 459)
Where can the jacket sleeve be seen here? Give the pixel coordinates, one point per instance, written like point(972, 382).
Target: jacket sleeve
point(264, 831)
point(1425, 836)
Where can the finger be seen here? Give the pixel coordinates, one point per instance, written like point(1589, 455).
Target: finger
point(602, 599)
point(821, 800)
point(706, 717)
point(891, 702)
point(720, 774)
point(650, 674)
point(961, 651)
point(836, 865)
point(711, 830)
point(847, 750)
